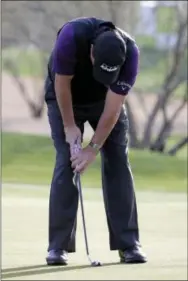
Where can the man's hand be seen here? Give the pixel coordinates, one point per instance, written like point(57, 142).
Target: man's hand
point(83, 159)
point(73, 137)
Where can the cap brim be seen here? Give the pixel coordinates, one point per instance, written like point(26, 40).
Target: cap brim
point(105, 77)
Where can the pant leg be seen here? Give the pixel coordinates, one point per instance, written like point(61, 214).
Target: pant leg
point(63, 203)
point(118, 187)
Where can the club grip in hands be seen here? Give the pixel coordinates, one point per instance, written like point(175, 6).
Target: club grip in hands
point(76, 147)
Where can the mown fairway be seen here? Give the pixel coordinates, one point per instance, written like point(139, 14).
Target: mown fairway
point(163, 225)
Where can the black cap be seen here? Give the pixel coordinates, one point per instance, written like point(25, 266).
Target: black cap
point(109, 51)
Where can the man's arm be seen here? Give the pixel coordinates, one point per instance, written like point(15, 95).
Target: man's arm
point(116, 97)
point(64, 99)
point(64, 60)
point(109, 117)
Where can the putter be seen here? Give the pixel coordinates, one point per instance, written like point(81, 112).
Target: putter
point(77, 183)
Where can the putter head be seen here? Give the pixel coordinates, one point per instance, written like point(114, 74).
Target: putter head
point(96, 263)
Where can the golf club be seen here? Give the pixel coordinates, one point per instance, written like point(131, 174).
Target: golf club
point(77, 183)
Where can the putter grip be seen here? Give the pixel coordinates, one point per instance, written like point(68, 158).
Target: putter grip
point(77, 147)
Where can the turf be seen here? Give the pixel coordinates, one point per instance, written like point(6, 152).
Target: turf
point(30, 160)
point(163, 226)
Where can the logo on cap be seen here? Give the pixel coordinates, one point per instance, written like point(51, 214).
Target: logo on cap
point(109, 68)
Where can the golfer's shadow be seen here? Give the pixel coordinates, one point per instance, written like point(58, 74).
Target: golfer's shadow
point(42, 269)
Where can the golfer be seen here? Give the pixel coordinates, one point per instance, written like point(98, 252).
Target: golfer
point(91, 70)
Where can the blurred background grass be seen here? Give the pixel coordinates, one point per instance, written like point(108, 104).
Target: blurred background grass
point(30, 159)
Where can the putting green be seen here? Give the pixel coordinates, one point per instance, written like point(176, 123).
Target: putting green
point(163, 226)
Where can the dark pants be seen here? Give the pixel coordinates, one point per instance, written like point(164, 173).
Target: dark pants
point(117, 183)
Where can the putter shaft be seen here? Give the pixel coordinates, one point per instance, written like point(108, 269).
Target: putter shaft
point(77, 182)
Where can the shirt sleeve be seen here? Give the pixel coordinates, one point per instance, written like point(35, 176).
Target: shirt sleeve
point(128, 73)
point(64, 56)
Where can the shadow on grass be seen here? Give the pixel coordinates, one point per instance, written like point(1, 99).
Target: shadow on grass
point(42, 269)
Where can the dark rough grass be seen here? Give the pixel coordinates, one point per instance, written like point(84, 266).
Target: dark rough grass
point(30, 159)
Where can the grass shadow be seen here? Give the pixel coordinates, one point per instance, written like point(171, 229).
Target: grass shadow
point(43, 269)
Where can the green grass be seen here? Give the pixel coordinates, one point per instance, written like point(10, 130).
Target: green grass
point(28, 62)
point(163, 233)
point(166, 19)
point(153, 69)
point(30, 159)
